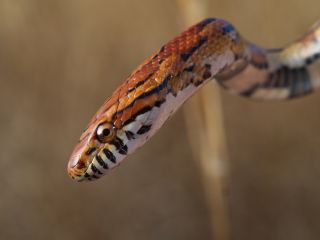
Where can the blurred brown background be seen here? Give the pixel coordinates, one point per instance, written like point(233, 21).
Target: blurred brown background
point(60, 59)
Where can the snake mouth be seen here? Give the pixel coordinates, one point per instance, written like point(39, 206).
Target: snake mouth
point(94, 163)
point(80, 161)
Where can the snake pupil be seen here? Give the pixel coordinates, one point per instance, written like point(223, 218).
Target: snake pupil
point(106, 132)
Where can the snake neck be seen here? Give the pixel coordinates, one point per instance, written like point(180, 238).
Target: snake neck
point(176, 88)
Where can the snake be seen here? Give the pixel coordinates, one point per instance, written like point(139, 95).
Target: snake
point(211, 50)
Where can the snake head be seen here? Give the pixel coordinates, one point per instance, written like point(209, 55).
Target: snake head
point(100, 148)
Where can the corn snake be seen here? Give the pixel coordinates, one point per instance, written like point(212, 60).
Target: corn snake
point(211, 49)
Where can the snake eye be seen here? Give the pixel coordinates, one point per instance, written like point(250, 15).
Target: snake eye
point(105, 132)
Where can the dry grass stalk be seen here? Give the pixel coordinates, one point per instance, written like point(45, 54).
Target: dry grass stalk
point(207, 135)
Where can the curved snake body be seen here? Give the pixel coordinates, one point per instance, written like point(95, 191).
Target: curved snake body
point(211, 49)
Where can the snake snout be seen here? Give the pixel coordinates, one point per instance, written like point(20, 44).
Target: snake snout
point(78, 163)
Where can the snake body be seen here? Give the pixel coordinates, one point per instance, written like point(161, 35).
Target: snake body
point(211, 49)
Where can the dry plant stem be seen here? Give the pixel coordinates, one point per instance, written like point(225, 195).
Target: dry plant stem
point(207, 135)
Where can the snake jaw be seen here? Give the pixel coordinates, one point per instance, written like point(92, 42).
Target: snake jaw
point(82, 156)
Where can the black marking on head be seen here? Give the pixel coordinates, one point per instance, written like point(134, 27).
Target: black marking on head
point(130, 135)
point(95, 169)
point(101, 162)
point(110, 155)
point(144, 129)
point(90, 151)
point(189, 68)
point(124, 150)
point(140, 83)
point(86, 175)
point(185, 56)
point(117, 142)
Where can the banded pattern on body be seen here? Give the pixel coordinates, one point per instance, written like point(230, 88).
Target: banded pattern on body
point(211, 49)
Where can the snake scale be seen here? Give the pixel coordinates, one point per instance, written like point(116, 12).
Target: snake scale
point(210, 50)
